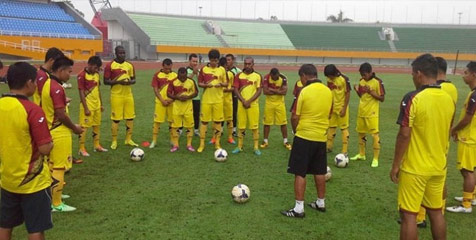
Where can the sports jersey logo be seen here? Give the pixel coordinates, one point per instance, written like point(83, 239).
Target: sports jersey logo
point(404, 104)
point(57, 91)
point(41, 78)
point(41, 120)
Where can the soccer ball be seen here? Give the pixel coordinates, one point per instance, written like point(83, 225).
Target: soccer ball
point(221, 155)
point(137, 154)
point(240, 193)
point(341, 160)
point(328, 174)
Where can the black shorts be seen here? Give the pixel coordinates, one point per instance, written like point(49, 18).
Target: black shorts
point(307, 157)
point(34, 209)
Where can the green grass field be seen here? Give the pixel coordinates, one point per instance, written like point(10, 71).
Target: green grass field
point(187, 195)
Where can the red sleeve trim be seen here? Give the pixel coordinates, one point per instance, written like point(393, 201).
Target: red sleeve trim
point(57, 95)
point(39, 131)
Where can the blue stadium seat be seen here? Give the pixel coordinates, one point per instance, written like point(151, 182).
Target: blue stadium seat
point(18, 9)
point(43, 27)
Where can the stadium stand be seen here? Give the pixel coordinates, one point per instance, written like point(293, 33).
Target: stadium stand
point(32, 10)
point(334, 37)
point(254, 35)
point(436, 39)
point(174, 30)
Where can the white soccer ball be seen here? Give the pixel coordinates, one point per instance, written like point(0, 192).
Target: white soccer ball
point(221, 155)
point(341, 160)
point(328, 174)
point(137, 154)
point(240, 193)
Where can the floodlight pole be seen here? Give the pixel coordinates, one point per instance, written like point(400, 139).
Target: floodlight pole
point(459, 18)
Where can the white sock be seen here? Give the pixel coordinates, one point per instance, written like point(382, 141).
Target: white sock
point(321, 202)
point(285, 140)
point(234, 129)
point(299, 207)
point(265, 140)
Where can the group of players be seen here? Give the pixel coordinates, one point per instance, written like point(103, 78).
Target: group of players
point(191, 98)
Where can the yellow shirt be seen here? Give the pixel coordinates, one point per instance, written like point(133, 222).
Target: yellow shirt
point(161, 81)
point(214, 76)
point(429, 113)
point(90, 84)
point(368, 105)
point(339, 86)
point(313, 118)
point(228, 96)
point(468, 134)
point(123, 72)
point(42, 76)
point(22, 168)
point(275, 84)
point(449, 88)
point(53, 97)
point(248, 85)
point(179, 88)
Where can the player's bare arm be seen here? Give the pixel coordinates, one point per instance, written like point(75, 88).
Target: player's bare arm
point(60, 114)
point(82, 98)
point(283, 90)
point(356, 88)
point(461, 124)
point(253, 98)
point(346, 104)
point(374, 94)
point(45, 149)
point(113, 81)
point(162, 100)
point(401, 145)
point(294, 121)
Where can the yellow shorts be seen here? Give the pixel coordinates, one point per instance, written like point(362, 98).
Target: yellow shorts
point(61, 154)
point(416, 190)
point(122, 108)
point(228, 109)
point(92, 120)
point(275, 114)
point(466, 156)
point(185, 121)
point(161, 111)
point(367, 125)
point(248, 116)
point(337, 121)
point(212, 112)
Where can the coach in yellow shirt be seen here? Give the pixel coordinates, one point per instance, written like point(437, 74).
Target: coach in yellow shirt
point(419, 164)
point(371, 92)
point(465, 133)
point(120, 75)
point(310, 122)
point(24, 172)
point(247, 90)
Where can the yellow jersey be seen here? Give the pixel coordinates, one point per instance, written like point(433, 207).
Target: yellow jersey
point(41, 76)
point(228, 96)
point(121, 72)
point(429, 113)
point(368, 105)
point(89, 83)
point(275, 84)
point(179, 88)
point(214, 76)
point(449, 88)
point(247, 85)
point(468, 134)
point(161, 81)
point(339, 86)
point(53, 97)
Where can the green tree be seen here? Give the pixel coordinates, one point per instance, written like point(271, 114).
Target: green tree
point(339, 18)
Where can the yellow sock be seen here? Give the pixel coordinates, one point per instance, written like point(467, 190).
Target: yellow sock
point(189, 136)
point(241, 135)
point(129, 129)
point(229, 125)
point(217, 134)
point(467, 197)
point(175, 136)
point(96, 136)
point(255, 138)
point(345, 140)
point(331, 133)
point(474, 193)
point(421, 215)
point(82, 139)
point(155, 131)
point(376, 143)
point(114, 129)
point(444, 206)
point(203, 132)
point(362, 142)
point(57, 186)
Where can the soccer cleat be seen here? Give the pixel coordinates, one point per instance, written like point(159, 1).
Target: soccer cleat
point(65, 196)
point(100, 149)
point(152, 144)
point(237, 150)
point(200, 149)
point(131, 143)
point(174, 149)
point(264, 145)
point(288, 146)
point(460, 199)
point(374, 163)
point(190, 148)
point(257, 152)
point(459, 209)
point(83, 153)
point(292, 213)
point(234, 134)
point(62, 208)
point(77, 160)
point(314, 205)
point(212, 141)
point(114, 145)
point(358, 157)
point(231, 141)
